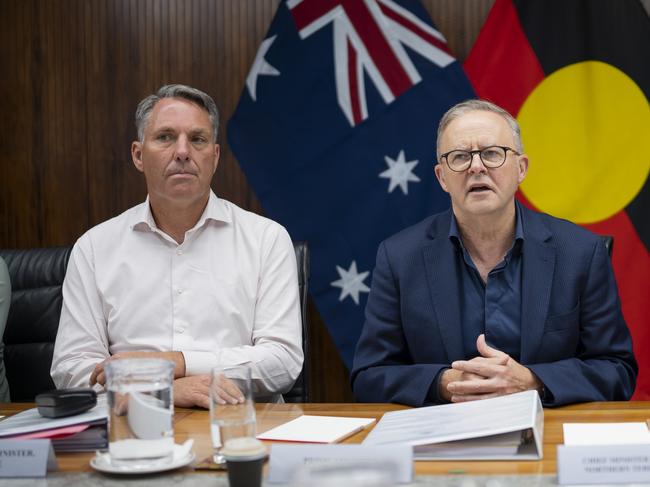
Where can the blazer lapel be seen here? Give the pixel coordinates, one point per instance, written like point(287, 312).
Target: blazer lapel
point(440, 267)
point(537, 278)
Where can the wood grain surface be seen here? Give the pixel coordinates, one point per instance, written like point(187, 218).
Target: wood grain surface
point(192, 423)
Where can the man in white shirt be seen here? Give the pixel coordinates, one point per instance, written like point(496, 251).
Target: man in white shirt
point(185, 275)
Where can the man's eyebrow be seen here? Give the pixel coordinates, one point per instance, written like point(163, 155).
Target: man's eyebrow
point(200, 130)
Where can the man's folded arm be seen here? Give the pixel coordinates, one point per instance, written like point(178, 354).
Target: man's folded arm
point(604, 368)
point(383, 369)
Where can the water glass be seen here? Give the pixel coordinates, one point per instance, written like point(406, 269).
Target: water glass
point(232, 409)
point(141, 410)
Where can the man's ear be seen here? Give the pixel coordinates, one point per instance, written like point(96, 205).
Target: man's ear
point(217, 153)
point(136, 155)
point(522, 167)
point(440, 176)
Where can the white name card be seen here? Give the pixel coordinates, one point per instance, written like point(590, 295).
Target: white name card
point(26, 458)
point(286, 459)
point(602, 464)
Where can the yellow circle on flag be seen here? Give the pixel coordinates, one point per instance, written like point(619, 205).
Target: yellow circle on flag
point(586, 130)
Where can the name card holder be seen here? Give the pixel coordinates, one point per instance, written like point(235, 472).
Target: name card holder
point(603, 464)
point(286, 459)
point(26, 458)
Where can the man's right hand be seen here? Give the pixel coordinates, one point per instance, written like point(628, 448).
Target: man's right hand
point(98, 375)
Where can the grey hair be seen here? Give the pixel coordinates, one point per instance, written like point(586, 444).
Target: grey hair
point(476, 105)
point(205, 101)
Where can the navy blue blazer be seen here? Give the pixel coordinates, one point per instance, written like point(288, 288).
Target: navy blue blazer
point(573, 335)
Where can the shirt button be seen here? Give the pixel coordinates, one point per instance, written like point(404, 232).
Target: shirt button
point(179, 252)
point(181, 330)
point(179, 291)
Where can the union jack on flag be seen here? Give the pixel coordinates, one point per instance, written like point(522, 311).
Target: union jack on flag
point(336, 132)
point(369, 37)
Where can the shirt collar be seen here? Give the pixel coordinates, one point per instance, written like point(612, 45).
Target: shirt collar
point(215, 210)
point(454, 232)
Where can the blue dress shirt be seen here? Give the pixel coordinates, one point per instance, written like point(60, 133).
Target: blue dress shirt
point(492, 307)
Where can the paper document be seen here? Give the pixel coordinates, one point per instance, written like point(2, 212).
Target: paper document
point(82, 432)
point(506, 427)
point(30, 420)
point(505, 444)
point(605, 434)
point(316, 429)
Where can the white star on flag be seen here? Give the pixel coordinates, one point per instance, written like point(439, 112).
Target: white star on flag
point(260, 67)
point(400, 172)
point(351, 282)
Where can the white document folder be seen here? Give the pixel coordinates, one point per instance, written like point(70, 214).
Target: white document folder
point(503, 428)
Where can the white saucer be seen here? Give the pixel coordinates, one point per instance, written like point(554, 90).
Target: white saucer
point(102, 462)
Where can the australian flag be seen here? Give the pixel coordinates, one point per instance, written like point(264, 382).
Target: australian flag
point(336, 132)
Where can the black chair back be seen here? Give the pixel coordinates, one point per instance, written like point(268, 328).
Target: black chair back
point(609, 244)
point(36, 278)
point(300, 390)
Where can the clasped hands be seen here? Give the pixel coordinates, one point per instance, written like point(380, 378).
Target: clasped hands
point(189, 391)
point(493, 373)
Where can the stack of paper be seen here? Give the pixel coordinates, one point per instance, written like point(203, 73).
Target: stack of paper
point(82, 432)
point(503, 445)
point(316, 429)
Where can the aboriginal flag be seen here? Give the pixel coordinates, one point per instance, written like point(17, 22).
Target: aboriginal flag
point(576, 75)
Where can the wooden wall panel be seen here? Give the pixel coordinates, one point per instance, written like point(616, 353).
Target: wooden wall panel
point(43, 135)
point(18, 126)
point(72, 73)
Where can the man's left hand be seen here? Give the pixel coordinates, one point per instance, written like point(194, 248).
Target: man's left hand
point(494, 374)
point(192, 391)
point(98, 375)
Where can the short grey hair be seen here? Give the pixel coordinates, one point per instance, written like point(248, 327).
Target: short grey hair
point(205, 101)
point(476, 105)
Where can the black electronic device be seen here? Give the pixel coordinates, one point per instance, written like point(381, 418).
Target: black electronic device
point(65, 402)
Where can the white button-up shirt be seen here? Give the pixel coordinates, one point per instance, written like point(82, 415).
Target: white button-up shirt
point(227, 295)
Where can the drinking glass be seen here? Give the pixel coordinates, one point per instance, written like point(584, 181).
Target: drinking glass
point(232, 409)
point(141, 410)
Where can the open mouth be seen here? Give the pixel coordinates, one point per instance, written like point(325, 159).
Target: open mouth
point(479, 189)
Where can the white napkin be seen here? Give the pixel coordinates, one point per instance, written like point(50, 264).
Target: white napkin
point(135, 449)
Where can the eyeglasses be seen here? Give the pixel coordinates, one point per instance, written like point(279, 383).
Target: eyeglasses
point(493, 156)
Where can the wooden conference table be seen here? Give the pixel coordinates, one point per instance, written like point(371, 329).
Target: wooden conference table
point(194, 423)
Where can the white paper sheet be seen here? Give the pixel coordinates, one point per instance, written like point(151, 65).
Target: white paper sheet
point(606, 434)
point(316, 429)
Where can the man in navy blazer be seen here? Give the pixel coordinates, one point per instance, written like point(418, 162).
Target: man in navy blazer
point(491, 298)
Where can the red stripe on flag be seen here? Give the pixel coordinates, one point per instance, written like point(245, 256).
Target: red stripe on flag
point(502, 65)
point(353, 84)
point(377, 46)
point(414, 28)
point(308, 11)
point(631, 262)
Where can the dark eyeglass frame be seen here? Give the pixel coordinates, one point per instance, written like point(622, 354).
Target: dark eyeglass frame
point(472, 153)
